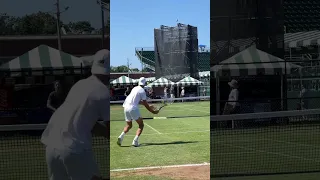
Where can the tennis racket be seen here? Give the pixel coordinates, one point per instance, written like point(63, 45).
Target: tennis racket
point(162, 106)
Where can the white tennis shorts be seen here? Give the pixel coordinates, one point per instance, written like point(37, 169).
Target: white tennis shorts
point(131, 114)
point(65, 165)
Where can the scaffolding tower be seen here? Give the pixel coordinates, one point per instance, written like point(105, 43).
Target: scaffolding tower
point(176, 51)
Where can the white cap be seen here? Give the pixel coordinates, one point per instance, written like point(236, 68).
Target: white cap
point(142, 81)
point(101, 62)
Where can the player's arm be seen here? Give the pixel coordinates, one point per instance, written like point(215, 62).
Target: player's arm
point(148, 107)
point(144, 102)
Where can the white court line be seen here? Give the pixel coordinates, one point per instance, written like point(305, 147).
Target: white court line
point(153, 128)
point(185, 132)
point(160, 167)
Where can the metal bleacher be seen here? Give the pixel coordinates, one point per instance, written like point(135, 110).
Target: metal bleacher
point(147, 57)
point(301, 15)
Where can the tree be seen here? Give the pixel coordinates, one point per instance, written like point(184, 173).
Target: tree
point(80, 27)
point(122, 69)
point(144, 70)
point(37, 24)
point(8, 24)
point(42, 23)
point(135, 70)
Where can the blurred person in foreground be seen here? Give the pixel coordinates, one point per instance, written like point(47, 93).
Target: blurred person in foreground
point(68, 135)
point(56, 97)
point(232, 106)
point(132, 112)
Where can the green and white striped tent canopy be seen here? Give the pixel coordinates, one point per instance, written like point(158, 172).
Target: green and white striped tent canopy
point(204, 74)
point(123, 80)
point(161, 82)
point(188, 81)
point(43, 59)
point(253, 61)
point(149, 79)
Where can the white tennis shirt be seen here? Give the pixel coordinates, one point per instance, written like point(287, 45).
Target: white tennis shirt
point(133, 99)
point(71, 125)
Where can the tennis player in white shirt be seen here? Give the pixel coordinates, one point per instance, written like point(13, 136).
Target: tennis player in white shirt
point(68, 135)
point(132, 113)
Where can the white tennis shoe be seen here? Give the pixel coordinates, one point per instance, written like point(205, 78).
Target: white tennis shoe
point(135, 143)
point(119, 142)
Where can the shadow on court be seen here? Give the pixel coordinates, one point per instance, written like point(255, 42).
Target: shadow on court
point(163, 144)
point(168, 143)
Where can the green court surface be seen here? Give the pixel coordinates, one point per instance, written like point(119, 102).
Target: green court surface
point(275, 149)
point(172, 141)
point(23, 157)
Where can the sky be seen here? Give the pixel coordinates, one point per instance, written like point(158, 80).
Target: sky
point(131, 21)
point(132, 24)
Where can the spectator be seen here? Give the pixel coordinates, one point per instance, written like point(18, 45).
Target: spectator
point(232, 106)
point(172, 94)
point(57, 97)
point(303, 100)
point(152, 95)
point(127, 92)
point(182, 94)
point(165, 93)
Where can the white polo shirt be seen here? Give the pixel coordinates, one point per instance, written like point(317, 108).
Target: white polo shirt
point(133, 99)
point(234, 97)
point(71, 125)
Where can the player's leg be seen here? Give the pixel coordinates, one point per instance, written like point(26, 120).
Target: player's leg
point(135, 141)
point(56, 168)
point(81, 166)
point(126, 129)
point(136, 116)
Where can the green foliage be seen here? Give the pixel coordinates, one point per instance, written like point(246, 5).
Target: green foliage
point(123, 68)
point(41, 23)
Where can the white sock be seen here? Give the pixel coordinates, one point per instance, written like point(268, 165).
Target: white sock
point(122, 135)
point(136, 138)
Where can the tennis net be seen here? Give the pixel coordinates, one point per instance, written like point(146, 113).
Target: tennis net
point(23, 155)
point(265, 143)
point(175, 108)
